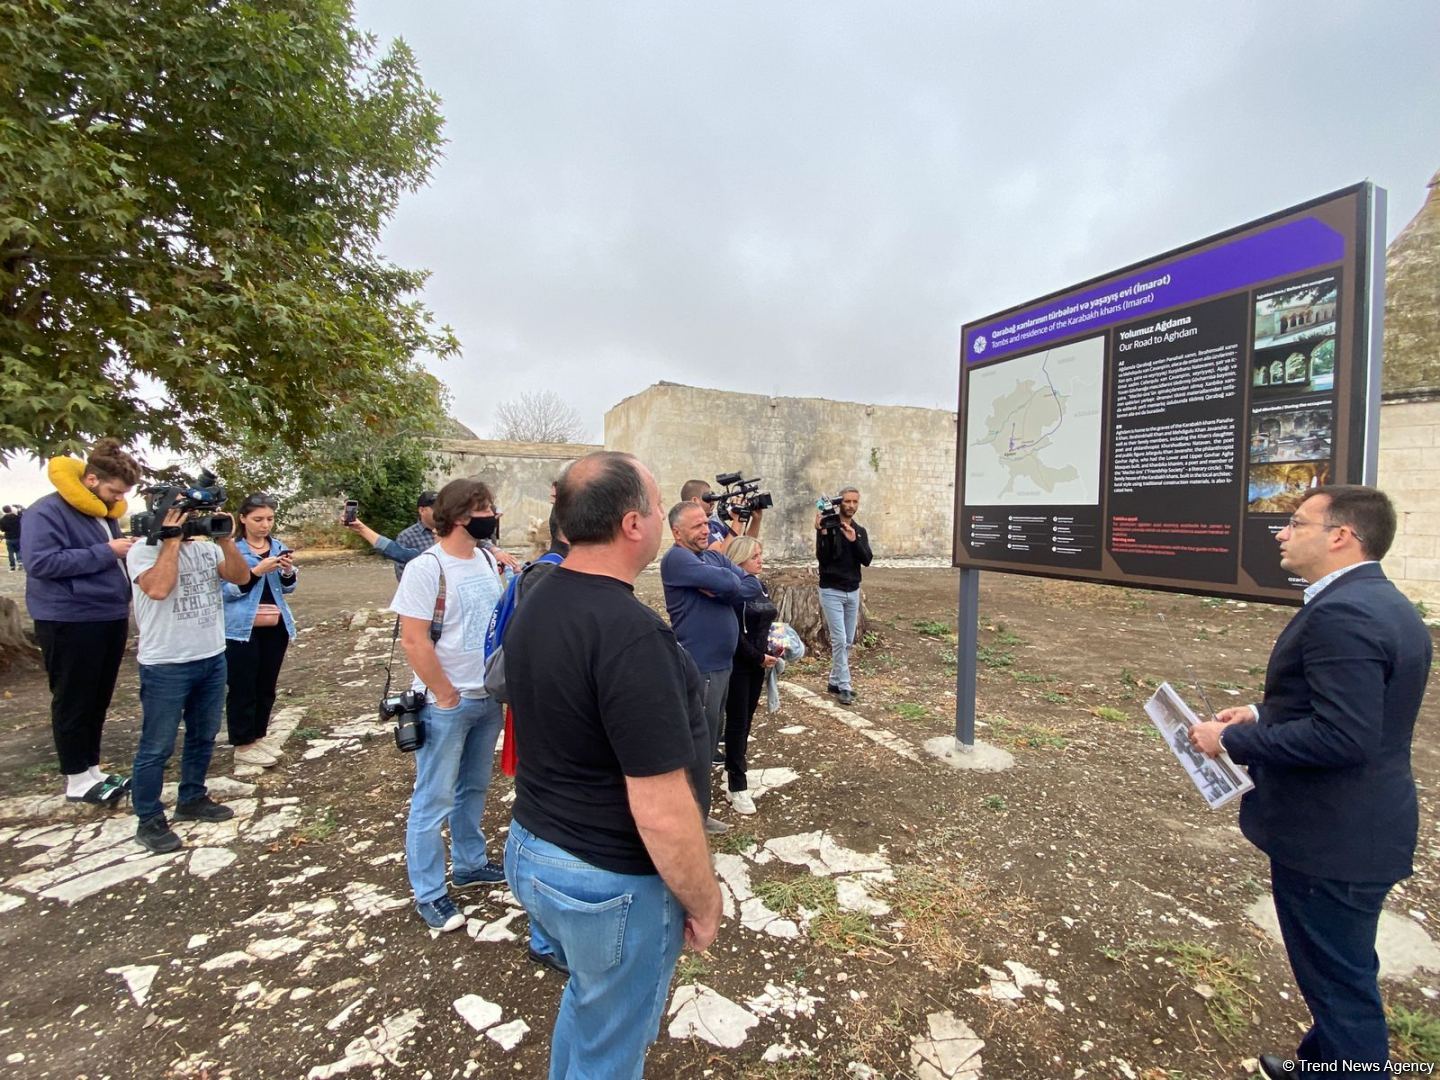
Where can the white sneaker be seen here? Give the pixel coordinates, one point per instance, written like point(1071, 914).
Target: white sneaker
point(741, 802)
point(255, 754)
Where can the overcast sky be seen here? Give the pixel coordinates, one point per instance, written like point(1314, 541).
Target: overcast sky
point(811, 198)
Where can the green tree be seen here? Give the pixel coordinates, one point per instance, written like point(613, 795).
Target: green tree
point(191, 198)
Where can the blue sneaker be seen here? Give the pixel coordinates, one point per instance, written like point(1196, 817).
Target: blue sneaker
point(441, 914)
point(492, 873)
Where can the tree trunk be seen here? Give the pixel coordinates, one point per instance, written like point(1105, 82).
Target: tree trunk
point(795, 592)
point(15, 644)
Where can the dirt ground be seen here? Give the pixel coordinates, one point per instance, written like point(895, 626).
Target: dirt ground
point(1080, 914)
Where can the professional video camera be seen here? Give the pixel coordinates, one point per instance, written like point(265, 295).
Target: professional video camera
point(740, 497)
point(191, 496)
point(829, 512)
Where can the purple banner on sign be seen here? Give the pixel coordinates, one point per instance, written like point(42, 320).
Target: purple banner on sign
point(1287, 249)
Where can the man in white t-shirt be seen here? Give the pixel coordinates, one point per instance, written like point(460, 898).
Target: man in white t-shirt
point(461, 722)
point(180, 612)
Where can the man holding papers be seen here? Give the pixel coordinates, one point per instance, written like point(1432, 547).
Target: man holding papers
point(1328, 748)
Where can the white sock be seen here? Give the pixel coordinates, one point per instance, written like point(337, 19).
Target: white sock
point(76, 784)
point(96, 774)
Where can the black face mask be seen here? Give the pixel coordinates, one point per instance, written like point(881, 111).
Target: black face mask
point(481, 528)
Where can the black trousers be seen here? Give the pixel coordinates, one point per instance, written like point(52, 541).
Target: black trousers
point(746, 682)
point(82, 660)
point(252, 668)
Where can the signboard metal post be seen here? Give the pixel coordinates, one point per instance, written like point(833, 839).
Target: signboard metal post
point(967, 632)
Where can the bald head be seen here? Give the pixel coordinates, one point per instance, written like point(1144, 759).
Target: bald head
point(594, 494)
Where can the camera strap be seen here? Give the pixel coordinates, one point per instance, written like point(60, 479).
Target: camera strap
point(437, 625)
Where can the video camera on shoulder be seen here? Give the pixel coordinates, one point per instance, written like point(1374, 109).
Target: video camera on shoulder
point(829, 512)
point(194, 497)
point(741, 497)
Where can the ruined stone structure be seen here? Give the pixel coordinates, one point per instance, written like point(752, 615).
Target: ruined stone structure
point(518, 473)
point(902, 459)
point(1409, 467)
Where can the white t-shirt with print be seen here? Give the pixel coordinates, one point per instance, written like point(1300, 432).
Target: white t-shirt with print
point(472, 589)
point(189, 624)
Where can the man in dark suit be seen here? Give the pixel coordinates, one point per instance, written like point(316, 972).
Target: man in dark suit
point(1334, 802)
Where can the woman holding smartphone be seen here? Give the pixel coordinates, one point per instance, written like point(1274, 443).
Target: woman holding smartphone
point(258, 629)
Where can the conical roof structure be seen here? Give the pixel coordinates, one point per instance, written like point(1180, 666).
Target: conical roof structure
point(1412, 304)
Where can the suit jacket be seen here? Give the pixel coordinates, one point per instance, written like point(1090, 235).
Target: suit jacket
point(1330, 755)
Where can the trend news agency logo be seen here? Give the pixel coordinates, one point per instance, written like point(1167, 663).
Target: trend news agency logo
point(979, 346)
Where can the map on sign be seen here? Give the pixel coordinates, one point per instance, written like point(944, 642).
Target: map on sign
point(1033, 428)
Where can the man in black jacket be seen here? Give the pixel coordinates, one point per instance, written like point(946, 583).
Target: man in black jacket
point(10, 529)
point(841, 549)
point(1334, 804)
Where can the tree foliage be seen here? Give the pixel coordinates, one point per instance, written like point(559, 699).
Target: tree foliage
point(538, 416)
point(191, 198)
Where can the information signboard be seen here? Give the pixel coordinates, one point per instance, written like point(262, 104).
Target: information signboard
point(1156, 426)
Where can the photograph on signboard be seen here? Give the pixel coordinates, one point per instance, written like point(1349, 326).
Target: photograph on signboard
point(1302, 367)
point(1279, 489)
point(1219, 779)
point(1284, 435)
point(1034, 428)
point(1296, 314)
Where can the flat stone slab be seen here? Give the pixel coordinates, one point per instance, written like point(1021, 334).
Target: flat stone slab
point(699, 1011)
point(1405, 949)
point(951, 1050)
point(982, 757)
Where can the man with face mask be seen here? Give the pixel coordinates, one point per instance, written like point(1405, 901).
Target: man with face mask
point(79, 597)
point(462, 723)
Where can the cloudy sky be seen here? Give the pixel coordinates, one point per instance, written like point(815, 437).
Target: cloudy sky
point(810, 198)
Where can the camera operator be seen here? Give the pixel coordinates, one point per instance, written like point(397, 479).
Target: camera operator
point(461, 722)
point(721, 532)
point(701, 588)
point(179, 609)
point(747, 676)
point(841, 547)
point(77, 593)
point(10, 529)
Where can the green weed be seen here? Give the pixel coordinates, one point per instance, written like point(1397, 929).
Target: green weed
point(995, 802)
point(322, 826)
point(735, 842)
point(932, 627)
point(1105, 712)
point(305, 732)
point(1414, 1035)
point(908, 710)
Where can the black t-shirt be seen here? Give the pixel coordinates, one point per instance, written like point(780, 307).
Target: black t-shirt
point(601, 690)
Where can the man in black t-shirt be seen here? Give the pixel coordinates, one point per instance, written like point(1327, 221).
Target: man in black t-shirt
point(606, 851)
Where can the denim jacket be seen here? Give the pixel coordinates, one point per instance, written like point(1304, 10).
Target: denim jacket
point(241, 602)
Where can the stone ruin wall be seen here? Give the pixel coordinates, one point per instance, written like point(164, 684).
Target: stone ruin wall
point(901, 458)
point(518, 473)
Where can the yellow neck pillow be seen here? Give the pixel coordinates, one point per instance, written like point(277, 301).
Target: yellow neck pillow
point(65, 474)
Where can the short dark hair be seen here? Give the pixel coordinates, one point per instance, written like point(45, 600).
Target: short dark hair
point(109, 462)
point(680, 508)
point(692, 488)
point(1367, 511)
point(457, 500)
point(591, 501)
point(426, 498)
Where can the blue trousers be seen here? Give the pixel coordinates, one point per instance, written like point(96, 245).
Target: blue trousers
point(619, 934)
point(842, 614)
point(1329, 932)
point(452, 776)
point(194, 692)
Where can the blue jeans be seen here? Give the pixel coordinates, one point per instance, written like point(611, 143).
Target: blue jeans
point(619, 934)
point(842, 612)
point(452, 776)
point(195, 692)
point(1329, 932)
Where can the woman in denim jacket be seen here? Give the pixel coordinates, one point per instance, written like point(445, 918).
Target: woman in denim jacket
point(258, 629)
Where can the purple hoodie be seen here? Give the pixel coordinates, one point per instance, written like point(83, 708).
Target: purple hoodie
point(71, 575)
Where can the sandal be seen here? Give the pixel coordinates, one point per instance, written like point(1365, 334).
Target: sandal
point(105, 792)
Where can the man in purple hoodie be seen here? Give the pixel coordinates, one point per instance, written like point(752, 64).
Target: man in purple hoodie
point(78, 594)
